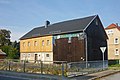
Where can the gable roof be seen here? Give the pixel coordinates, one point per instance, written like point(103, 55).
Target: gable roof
point(111, 26)
point(61, 27)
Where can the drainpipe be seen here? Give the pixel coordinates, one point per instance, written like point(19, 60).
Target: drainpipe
point(85, 36)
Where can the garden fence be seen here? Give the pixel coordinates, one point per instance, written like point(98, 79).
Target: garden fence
point(53, 67)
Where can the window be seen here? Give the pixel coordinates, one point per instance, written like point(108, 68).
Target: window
point(28, 55)
point(35, 43)
point(43, 43)
point(110, 32)
point(48, 42)
point(116, 52)
point(28, 43)
point(96, 22)
point(23, 44)
point(47, 55)
point(23, 55)
point(116, 41)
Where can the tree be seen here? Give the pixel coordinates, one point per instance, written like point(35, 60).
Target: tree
point(4, 37)
point(10, 48)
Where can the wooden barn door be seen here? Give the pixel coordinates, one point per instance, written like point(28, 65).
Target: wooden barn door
point(63, 50)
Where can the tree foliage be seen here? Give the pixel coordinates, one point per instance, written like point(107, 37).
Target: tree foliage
point(10, 48)
point(4, 37)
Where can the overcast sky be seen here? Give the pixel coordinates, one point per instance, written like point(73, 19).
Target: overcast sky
point(20, 16)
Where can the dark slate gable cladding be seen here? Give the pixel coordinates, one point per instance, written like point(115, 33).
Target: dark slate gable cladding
point(61, 27)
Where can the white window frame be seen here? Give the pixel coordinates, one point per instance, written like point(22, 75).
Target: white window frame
point(47, 56)
point(43, 42)
point(23, 55)
point(29, 55)
point(48, 42)
point(110, 32)
point(23, 44)
point(35, 43)
point(116, 51)
point(28, 43)
point(116, 42)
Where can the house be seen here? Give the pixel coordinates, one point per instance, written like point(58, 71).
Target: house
point(72, 40)
point(113, 32)
point(2, 54)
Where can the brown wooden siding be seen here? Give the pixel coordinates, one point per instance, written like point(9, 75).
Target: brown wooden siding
point(71, 52)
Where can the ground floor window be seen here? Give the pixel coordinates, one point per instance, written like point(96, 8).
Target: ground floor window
point(116, 52)
point(47, 55)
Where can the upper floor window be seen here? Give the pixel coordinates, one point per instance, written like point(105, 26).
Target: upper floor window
point(35, 43)
point(48, 42)
point(109, 32)
point(23, 44)
point(28, 43)
point(116, 41)
point(116, 52)
point(43, 43)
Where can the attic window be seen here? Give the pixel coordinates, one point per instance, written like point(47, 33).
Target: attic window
point(96, 22)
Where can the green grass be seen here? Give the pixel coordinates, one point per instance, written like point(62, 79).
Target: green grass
point(114, 67)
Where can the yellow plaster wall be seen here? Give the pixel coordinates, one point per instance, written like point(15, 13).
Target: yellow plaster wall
point(39, 47)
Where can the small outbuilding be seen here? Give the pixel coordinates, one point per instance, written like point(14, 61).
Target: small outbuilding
point(2, 54)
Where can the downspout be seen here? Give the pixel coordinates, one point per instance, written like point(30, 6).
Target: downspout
point(86, 55)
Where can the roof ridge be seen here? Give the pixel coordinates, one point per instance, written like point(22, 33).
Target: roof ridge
point(67, 21)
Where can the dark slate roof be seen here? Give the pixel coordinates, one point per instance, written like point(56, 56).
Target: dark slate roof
point(61, 27)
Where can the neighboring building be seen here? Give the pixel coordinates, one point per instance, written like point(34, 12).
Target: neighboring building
point(2, 54)
point(113, 32)
point(72, 40)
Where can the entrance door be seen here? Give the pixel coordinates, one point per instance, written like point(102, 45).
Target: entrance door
point(36, 58)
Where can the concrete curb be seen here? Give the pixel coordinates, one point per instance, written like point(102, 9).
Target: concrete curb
point(104, 75)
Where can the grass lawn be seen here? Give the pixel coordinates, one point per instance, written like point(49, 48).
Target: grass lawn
point(114, 67)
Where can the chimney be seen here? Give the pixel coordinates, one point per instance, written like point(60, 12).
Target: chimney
point(117, 24)
point(47, 23)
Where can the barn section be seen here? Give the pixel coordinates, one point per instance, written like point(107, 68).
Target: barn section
point(82, 44)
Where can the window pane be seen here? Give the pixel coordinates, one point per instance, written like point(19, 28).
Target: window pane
point(23, 44)
point(42, 42)
point(35, 43)
point(28, 43)
point(47, 55)
point(48, 42)
point(116, 41)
